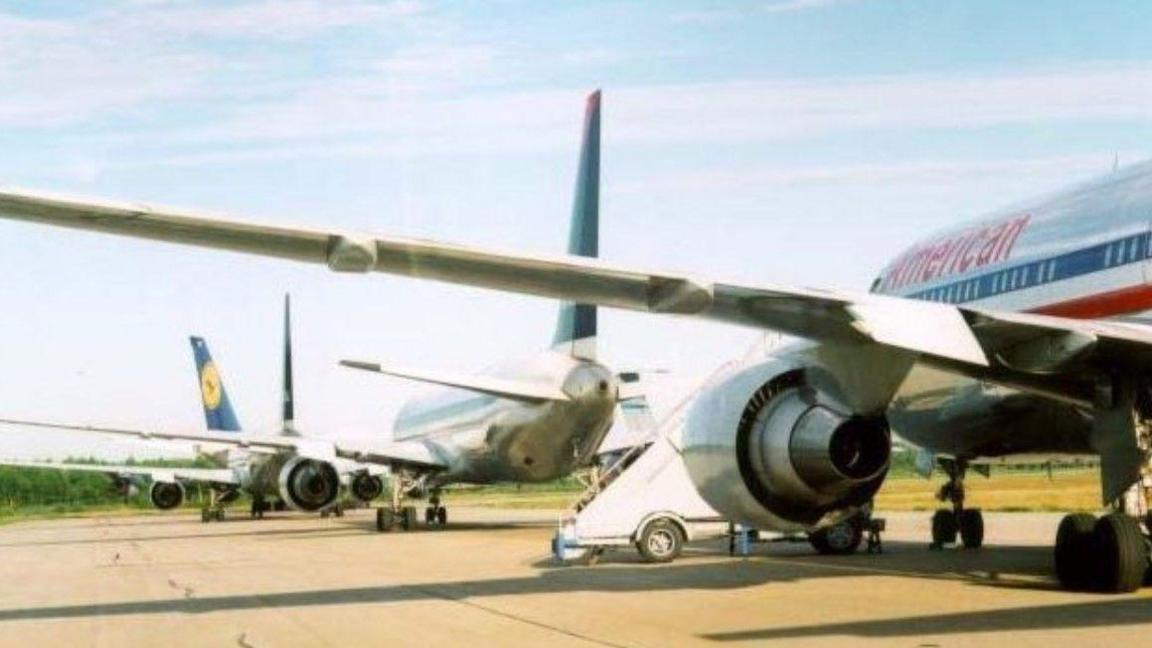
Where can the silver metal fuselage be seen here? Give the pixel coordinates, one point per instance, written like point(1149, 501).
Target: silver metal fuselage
point(485, 439)
point(1083, 253)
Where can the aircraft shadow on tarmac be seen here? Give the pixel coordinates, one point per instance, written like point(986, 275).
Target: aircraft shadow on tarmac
point(1020, 565)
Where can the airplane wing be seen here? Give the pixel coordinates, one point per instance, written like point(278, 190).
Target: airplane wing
point(502, 387)
point(921, 327)
point(384, 453)
point(209, 475)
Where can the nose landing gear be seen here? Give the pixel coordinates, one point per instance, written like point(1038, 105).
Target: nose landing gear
point(965, 522)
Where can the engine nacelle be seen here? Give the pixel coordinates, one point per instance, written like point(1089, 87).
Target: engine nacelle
point(166, 495)
point(768, 446)
point(367, 487)
point(308, 484)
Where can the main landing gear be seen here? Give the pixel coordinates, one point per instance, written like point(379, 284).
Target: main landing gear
point(397, 514)
point(435, 514)
point(966, 523)
point(259, 508)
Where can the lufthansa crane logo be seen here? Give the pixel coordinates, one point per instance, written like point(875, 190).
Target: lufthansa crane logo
point(210, 386)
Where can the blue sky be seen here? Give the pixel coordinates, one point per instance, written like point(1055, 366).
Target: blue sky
point(798, 141)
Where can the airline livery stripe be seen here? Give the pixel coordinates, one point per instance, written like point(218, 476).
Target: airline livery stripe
point(1116, 253)
point(1134, 299)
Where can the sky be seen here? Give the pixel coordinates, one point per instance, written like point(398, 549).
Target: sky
point(803, 142)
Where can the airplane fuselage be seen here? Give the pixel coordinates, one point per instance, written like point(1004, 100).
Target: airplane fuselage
point(485, 439)
point(1082, 253)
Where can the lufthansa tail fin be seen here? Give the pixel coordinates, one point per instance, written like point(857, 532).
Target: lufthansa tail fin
point(576, 325)
point(218, 412)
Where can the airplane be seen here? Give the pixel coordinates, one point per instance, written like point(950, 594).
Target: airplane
point(264, 476)
point(529, 421)
point(1018, 334)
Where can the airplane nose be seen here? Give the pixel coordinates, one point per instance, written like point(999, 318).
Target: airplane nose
point(590, 382)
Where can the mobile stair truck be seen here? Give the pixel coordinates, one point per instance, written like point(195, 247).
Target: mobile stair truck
point(643, 498)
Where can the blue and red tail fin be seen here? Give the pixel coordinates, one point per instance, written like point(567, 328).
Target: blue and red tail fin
point(576, 324)
point(218, 412)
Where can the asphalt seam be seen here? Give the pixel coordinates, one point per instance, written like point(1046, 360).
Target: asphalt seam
point(514, 617)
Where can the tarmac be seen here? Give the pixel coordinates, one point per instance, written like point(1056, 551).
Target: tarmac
point(488, 579)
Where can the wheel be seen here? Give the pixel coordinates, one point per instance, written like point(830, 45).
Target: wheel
point(339, 511)
point(385, 519)
point(441, 515)
point(661, 541)
point(408, 518)
point(971, 524)
point(219, 515)
point(943, 527)
point(205, 515)
point(1121, 555)
point(430, 515)
point(1074, 551)
point(839, 539)
point(324, 513)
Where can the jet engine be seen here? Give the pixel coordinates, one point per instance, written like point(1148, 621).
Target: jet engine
point(166, 495)
point(772, 445)
point(367, 487)
point(308, 484)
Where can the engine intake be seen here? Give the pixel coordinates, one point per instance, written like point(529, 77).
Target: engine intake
point(166, 495)
point(367, 487)
point(308, 484)
point(767, 448)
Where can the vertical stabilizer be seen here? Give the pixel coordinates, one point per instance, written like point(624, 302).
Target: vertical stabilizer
point(576, 326)
point(218, 412)
point(288, 398)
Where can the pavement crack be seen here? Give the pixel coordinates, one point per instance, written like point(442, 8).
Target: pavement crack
point(515, 617)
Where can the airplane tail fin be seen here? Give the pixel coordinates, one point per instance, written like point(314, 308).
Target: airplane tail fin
point(576, 324)
point(288, 395)
point(218, 412)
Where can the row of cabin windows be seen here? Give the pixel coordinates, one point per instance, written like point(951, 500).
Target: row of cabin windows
point(994, 284)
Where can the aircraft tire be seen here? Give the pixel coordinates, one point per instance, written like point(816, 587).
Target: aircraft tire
point(971, 524)
point(385, 519)
point(839, 539)
point(205, 516)
point(441, 515)
point(1073, 555)
point(430, 515)
point(943, 527)
point(1121, 555)
point(408, 518)
point(661, 541)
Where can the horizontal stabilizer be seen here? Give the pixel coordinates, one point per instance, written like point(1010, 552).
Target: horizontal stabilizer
point(501, 387)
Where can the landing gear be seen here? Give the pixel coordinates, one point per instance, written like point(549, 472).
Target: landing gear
point(336, 510)
point(434, 513)
point(388, 518)
point(259, 507)
point(1103, 555)
point(214, 511)
point(965, 522)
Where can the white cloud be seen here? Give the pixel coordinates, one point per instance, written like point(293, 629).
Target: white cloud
point(919, 172)
point(735, 111)
point(789, 6)
point(112, 60)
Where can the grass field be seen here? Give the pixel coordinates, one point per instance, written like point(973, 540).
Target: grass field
point(1067, 490)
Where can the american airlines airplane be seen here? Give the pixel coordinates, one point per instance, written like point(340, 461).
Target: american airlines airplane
point(528, 421)
point(270, 478)
point(1019, 334)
